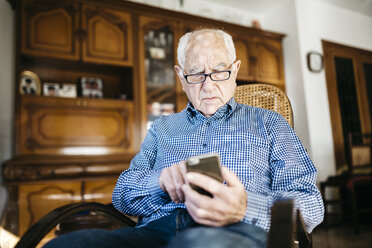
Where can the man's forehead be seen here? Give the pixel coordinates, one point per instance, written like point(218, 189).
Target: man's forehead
point(206, 46)
point(205, 39)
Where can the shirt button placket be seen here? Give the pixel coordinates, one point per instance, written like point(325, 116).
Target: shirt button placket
point(206, 132)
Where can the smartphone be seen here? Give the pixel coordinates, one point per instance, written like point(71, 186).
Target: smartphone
point(207, 164)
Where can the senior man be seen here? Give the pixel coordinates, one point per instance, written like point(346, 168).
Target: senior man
point(262, 161)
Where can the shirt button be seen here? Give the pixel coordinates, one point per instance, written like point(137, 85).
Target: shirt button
point(254, 221)
point(204, 145)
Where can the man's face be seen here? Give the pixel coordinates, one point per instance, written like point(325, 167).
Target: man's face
point(206, 53)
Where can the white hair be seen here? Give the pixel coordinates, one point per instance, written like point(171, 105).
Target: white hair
point(182, 44)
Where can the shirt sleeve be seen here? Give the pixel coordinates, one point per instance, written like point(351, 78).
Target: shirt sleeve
point(293, 176)
point(137, 191)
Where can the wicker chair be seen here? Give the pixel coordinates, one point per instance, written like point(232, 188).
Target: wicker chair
point(287, 230)
point(267, 97)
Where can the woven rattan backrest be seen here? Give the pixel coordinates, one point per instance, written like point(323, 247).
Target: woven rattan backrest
point(267, 97)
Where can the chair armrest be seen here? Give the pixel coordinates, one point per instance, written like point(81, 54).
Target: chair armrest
point(287, 228)
point(304, 239)
point(37, 232)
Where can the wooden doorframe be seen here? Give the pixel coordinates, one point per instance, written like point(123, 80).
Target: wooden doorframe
point(358, 56)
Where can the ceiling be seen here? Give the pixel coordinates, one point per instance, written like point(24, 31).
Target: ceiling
point(260, 6)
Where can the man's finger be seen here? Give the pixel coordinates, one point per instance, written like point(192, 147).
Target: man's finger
point(205, 182)
point(230, 177)
point(178, 181)
point(198, 205)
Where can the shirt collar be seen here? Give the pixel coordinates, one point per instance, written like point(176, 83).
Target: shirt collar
point(225, 110)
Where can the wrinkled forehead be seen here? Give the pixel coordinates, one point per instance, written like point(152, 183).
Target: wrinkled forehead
point(206, 46)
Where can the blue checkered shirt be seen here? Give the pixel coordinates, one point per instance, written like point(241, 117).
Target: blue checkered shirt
point(257, 144)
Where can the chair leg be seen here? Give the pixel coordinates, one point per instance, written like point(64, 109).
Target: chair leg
point(354, 209)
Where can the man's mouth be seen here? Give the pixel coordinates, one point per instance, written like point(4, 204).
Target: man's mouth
point(209, 98)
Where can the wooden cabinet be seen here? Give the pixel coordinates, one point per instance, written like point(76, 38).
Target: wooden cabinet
point(261, 60)
point(53, 29)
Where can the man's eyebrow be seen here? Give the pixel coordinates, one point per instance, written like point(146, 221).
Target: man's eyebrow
point(219, 66)
point(195, 70)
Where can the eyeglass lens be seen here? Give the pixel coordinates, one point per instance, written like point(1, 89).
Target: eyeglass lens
point(215, 76)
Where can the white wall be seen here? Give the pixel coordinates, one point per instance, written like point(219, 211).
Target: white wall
point(317, 21)
point(208, 9)
point(6, 80)
point(282, 18)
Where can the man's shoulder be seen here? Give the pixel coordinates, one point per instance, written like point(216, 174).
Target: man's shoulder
point(257, 113)
point(172, 118)
point(254, 110)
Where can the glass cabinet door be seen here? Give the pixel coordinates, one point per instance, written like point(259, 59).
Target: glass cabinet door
point(159, 61)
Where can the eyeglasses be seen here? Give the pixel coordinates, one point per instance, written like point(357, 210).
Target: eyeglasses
point(199, 78)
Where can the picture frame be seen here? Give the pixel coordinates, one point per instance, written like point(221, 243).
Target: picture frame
point(91, 87)
point(68, 90)
point(50, 89)
point(29, 83)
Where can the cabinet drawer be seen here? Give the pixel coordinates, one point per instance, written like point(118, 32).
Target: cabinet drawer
point(75, 126)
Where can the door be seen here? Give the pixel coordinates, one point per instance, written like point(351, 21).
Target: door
point(349, 83)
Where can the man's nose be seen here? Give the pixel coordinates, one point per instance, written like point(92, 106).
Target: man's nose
point(209, 83)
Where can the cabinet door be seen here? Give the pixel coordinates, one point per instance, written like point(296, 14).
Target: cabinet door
point(246, 54)
point(270, 62)
point(108, 35)
point(61, 126)
point(157, 71)
point(49, 29)
point(36, 200)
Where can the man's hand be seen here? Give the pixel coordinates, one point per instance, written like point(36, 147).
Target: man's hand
point(171, 180)
point(228, 204)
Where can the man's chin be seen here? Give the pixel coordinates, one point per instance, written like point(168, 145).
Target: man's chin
point(207, 112)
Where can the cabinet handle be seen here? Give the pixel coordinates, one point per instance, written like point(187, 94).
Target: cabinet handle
point(81, 103)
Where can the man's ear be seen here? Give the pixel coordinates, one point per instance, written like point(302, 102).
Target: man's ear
point(179, 73)
point(237, 66)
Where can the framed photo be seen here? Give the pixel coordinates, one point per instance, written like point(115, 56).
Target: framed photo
point(91, 87)
point(67, 90)
point(50, 89)
point(29, 84)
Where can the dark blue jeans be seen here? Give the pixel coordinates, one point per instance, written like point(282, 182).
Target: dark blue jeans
point(175, 230)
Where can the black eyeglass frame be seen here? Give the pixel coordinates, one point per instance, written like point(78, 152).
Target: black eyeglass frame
point(207, 75)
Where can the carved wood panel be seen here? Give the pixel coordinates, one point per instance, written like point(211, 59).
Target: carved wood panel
point(48, 29)
point(75, 126)
point(269, 62)
point(35, 201)
point(108, 35)
point(245, 54)
point(100, 191)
